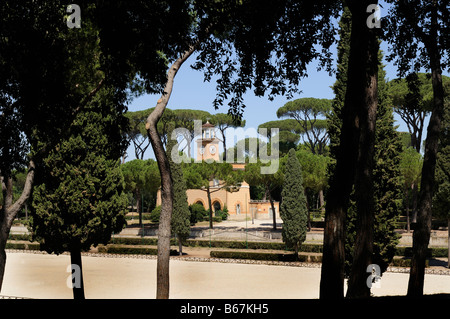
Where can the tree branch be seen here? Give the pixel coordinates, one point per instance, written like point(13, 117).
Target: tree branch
point(88, 97)
point(12, 210)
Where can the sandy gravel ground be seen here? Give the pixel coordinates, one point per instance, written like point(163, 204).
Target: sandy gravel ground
point(46, 276)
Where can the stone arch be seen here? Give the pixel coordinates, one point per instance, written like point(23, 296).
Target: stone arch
point(201, 202)
point(216, 205)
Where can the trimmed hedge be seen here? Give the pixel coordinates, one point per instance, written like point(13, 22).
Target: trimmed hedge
point(439, 252)
point(264, 256)
point(153, 241)
point(405, 262)
point(131, 250)
point(25, 237)
point(310, 248)
point(145, 216)
point(431, 252)
point(396, 262)
point(24, 246)
point(134, 241)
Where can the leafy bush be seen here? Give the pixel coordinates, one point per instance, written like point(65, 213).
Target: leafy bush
point(198, 213)
point(145, 216)
point(24, 246)
point(222, 214)
point(154, 215)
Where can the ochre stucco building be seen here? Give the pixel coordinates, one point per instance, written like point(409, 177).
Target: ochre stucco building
point(238, 202)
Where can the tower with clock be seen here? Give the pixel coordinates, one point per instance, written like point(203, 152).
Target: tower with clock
point(236, 201)
point(208, 145)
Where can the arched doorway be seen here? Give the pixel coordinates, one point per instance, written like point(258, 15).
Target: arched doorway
point(199, 202)
point(216, 206)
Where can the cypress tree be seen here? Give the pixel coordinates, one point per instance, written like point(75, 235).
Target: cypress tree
point(181, 215)
point(293, 209)
point(335, 117)
point(79, 198)
point(386, 172)
point(387, 186)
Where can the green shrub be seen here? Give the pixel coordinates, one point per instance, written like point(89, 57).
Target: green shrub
point(154, 215)
point(198, 213)
point(431, 252)
point(439, 252)
point(145, 216)
point(222, 214)
point(217, 219)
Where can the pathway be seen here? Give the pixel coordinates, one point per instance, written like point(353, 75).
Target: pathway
point(36, 275)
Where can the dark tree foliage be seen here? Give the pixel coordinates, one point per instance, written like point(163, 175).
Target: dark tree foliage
point(181, 214)
point(140, 38)
point(79, 198)
point(35, 103)
point(343, 48)
point(264, 46)
point(293, 209)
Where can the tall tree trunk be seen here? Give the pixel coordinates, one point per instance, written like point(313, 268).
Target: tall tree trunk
point(321, 201)
point(308, 213)
point(367, 100)
point(180, 246)
point(421, 235)
point(414, 194)
point(138, 206)
point(419, 139)
point(366, 97)
point(274, 215)
point(357, 115)
point(208, 193)
point(296, 249)
point(4, 233)
point(162, 269)
point(333, 259)
point(77, 267)
point(10, 210)
point(415, 140)
point(408, 221)
point(224, 142)
point(364, 189)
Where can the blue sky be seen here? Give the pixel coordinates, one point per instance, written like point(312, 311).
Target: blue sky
point(191, 92)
